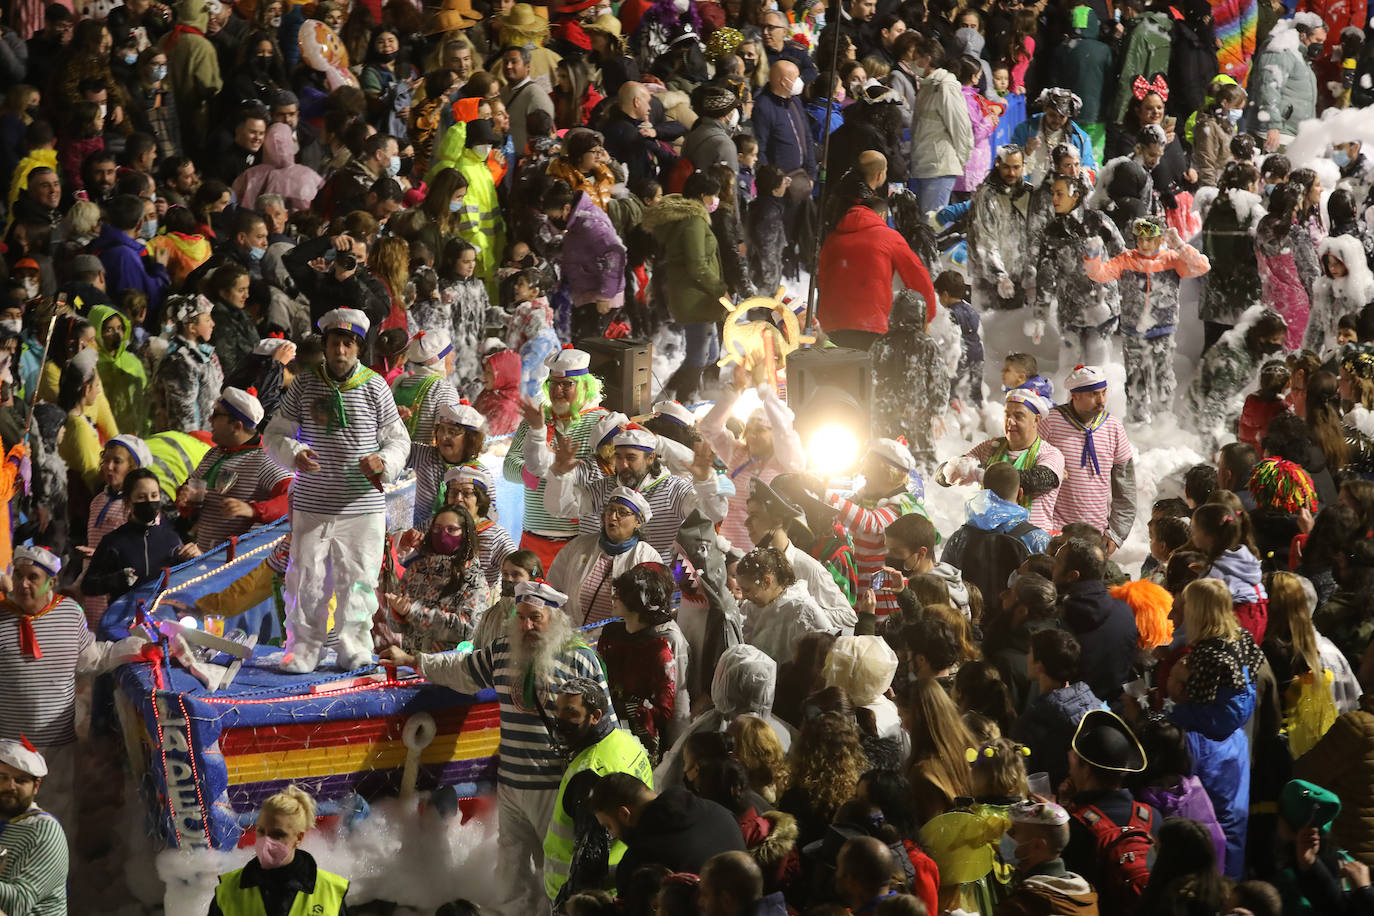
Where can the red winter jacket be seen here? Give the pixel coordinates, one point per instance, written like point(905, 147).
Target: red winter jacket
point(858, 260)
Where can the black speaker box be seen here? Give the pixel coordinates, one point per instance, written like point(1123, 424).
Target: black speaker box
point(624, 369)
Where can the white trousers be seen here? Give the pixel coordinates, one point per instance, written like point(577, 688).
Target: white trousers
point(523, 818)
point(336, 557)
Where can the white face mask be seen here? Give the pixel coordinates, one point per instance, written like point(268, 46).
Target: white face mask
point(798, 87)
point(732, 121)
point(482, 150)
point(12, 325)
point(103, 110)
point(30, 288)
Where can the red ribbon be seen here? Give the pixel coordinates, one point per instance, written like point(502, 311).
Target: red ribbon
point(152, 654)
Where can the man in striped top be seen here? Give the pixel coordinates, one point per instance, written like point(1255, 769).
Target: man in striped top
point(579, 489)
point(573, 395)
point(888, 471)
point(424, 387)
point(44, 645)
point(1099, 468)
point(33, 879)
point(242, 485)
point(527, 665)
point(339, 430)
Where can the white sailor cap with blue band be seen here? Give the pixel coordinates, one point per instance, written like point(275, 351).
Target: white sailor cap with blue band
point(632, 500)
point(1086, 378)
point(41, 557)
point(608, 427)
point(350, 320)
point(541, 593)
point(475, 473)
point(675, 411)
point(429, 347)
point(243, 405)
point(568, 362)
point(461, 414)
point(635, 436)
point(1031, 400)
point(135, 446)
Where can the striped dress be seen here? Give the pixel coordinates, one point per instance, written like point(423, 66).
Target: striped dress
point(424, 394)
point(539, 519)
point(582, 493)
point(866, 520)
point(247, 473)
point(108, 512)
point(528, 757)
point(38, 695)
point(35, 873)
point(307, 414)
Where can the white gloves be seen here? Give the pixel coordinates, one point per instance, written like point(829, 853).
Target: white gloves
point(1005, 288)
point(1035, 329)
point(1172, 239)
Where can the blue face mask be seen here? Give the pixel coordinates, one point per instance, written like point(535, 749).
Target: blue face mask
point(148, 229)
point(159, 72)
point(393, 167)
point(819, 21)
point(454, 206)
point(1234, 114)
point(1340, 157)
point(130, 59)
point(257, 254)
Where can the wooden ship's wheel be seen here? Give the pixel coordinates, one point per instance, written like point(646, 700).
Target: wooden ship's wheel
point(761, 345)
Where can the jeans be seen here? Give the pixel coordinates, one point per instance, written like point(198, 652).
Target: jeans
point(933, 193)
point(703, 344)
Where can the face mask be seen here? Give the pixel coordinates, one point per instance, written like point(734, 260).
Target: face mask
point(271, 853)
point(819, 20)
point(732, 121)
point(263, 61)
point(1269, 187)
point(1341, 158)
point(148, 229)
point(507, 589)
point(798, 87)
point(169, 330)
point(387, 56)
point(30, 288)
point(103, 109)
point(751, 64)
point(454, 206)
point(33, 111)
point(568, 733)
point(1314, 51)
point(1234, 115)
point(483, 150)
point(445, 543)
point(895, 562)
point(159, 72)
point(145, 513)
point(257, 254)
point(393, 168)
point(713, 205)
point(13, 325)
point(130, 59)
point(275, 22)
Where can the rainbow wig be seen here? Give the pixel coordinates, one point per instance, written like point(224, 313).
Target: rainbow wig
point(1279, 484)
point(1151, 604)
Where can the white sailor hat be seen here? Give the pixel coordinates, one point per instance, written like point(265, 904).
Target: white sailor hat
point(243, 405)
point(1046, 814)
point(1086, 378)
point(894, 452)
point(269, 345)
point(1032, 401)
point(41, 557)
point(672, 410)
point(460, 414)
point(541, 593)
point(568, 362)
point(344, 320)
point(470, 472)
point(429, 347)
point(23, 756)
point(632, 500)
point(608, 427)
point(187, 308)
point(86, 361)
point(635, 436)
point(135, 446)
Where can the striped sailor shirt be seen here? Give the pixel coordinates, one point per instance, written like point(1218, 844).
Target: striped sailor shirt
point(245, 473)
point(34, 879)
point(541, 519)
point(528, 757)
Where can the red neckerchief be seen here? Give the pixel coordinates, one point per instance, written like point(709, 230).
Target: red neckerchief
point(182, 29)
point(484, 524)
point(28, 640)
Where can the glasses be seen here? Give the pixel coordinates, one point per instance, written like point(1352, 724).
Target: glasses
point(775, 28)
point(449, 529)
point(617, 512)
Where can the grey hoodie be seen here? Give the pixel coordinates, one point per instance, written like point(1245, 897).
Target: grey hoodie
point(954, 580)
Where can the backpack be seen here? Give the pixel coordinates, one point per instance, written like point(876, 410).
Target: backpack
point(990, 557)
point(677, 175)
point(1123, 856)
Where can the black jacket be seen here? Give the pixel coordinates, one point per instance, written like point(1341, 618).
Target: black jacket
point(627, 145)
point(325, 291)
point(145, 549)
point(681, 831)
point(1106, 631)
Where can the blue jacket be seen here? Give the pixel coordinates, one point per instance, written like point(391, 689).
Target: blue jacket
point(1106, 631)
point(1215, 736)
point(127, 267)
point(1040, 385)
point(1076, 136)
point(784, 133)
point(796, 54)
point(1048, 724)
point(967, 320)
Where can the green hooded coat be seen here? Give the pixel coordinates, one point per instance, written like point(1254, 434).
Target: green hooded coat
point(121, 373)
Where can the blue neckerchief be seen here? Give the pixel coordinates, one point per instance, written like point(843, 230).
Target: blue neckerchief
point(615, 550)
point(114, 497)
point(1089, 449)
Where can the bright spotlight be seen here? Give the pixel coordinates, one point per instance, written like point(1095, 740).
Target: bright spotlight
point(746, 405)
point(190, 622)
point(832, 449)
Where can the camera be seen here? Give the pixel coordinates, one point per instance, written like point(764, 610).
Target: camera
point(346, 260)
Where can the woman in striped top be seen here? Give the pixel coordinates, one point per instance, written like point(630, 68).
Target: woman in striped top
point(470, 486)
point(586, 568)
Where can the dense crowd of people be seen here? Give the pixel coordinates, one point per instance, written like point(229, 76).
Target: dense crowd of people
point(266, 260)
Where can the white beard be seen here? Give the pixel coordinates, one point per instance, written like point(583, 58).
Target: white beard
point(541, 655)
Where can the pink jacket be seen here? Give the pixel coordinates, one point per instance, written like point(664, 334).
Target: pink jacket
point(980, 160)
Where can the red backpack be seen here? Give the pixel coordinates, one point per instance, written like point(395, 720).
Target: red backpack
point(1123, 854)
